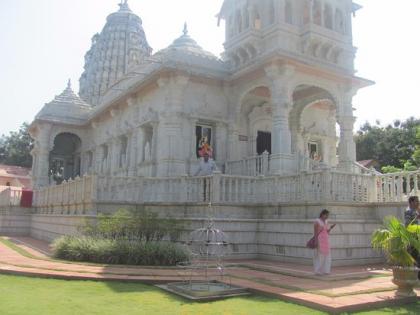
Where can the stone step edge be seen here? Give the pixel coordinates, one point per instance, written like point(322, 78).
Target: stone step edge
point(307, 274)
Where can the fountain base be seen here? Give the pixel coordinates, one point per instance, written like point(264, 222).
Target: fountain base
point(204, 291)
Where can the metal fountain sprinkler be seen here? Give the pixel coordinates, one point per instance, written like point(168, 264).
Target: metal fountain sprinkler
point(205, 276)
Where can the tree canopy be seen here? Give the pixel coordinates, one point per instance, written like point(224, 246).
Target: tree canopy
point(395, 147)
point(15, 148)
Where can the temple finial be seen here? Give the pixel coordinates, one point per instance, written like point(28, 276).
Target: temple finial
point(185, 31)
point(69, 84)
point(124, 5)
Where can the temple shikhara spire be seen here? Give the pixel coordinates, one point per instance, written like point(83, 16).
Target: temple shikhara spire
point(120, 46)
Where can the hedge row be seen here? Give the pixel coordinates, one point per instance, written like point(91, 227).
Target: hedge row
point(122, 252)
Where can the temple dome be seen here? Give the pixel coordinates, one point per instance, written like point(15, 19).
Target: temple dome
point(66, 107)
point(120, 46)
point(187, 46)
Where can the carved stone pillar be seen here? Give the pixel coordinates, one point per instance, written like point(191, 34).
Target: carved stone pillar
point(43, 167)
point(296, 139)
point(347, 146)
point(281, 98)
point(132, 153)
point(170, 157)
point(170, 153)
point(251, 12)
point(282, 10)
point(281, 130)
point(140, 146)
point(193, 139)
point(40, 154)
point(155, 134)
point(221, 136)
point(97, 159)
point(311, 11)
point(233, 153)
point(113, 156)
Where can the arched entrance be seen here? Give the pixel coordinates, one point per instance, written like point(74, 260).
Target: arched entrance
point(255, 122)
point(64, 160)
point(313, 124)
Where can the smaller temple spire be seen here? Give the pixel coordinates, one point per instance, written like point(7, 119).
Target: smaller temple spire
point(185, 31)
point(69, 84)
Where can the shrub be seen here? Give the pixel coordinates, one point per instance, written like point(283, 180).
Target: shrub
point(134, 225)
point(396, 241)
point(119, 251)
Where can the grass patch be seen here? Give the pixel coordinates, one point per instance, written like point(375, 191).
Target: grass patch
point(51, 297)
point(18, 297)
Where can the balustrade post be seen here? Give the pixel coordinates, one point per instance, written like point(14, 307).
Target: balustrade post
point(302, 186)
point(227, 168)
point(373, 191)
point(265, 165)
point(215, 193)
point(400, 188)
point(94, 189)
point(326, 186)
point(184, 189)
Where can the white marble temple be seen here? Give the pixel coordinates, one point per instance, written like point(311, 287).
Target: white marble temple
point(284, 85)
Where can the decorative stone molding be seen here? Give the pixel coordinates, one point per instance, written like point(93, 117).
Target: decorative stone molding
point(114, 112)
point(131, 101)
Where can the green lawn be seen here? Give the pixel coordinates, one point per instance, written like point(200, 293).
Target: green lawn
point(28, 296)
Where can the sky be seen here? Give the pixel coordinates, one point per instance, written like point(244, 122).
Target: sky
point(43, 43)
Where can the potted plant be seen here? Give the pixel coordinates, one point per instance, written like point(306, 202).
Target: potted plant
point(397, 242)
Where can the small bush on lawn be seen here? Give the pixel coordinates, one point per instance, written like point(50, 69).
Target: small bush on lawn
point(119, 251)
point(134, 225)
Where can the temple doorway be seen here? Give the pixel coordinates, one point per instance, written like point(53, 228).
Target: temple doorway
point(65, 161)
point(263, 142)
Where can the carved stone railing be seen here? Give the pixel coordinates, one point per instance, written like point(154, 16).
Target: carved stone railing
point(360, 169)
point(10, 196)
point(314, 186)
point(307, 164)
point(261, 164)
point(69, 193)
point(396, 187)
point(140, 190)
point(251, 166)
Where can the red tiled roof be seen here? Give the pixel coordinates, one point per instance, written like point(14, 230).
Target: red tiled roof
point(14, 171)
point(367, 163)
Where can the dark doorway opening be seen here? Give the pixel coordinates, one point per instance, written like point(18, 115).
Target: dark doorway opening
point(263, 142)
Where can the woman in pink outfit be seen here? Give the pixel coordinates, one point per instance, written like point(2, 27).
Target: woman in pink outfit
point(322, 257)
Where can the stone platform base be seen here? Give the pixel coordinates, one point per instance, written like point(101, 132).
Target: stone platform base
point(269, 232)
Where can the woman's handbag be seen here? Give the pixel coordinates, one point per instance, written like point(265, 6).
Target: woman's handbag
point(313, 242)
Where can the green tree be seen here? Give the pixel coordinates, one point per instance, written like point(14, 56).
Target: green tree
point(392, 145)
point(416, 155)
point(15, 149)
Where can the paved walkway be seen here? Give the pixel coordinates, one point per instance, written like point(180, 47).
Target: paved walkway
point(347, 289)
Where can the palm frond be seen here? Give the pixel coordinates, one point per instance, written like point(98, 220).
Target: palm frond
point(394, 239)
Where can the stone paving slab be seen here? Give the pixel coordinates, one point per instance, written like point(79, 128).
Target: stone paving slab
point(333, 296)
point(43, 249)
